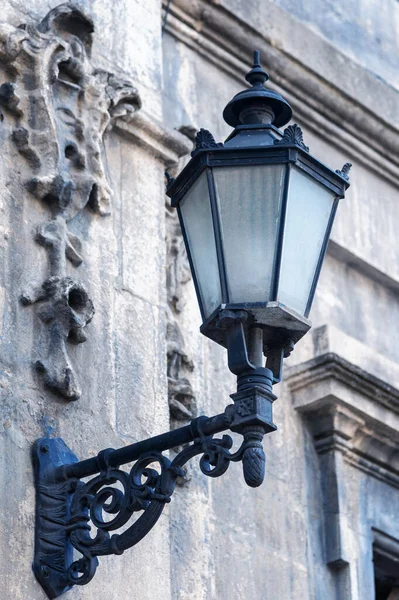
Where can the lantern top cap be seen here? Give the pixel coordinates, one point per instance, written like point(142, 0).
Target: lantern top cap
point(257, 76)
point(257, 104)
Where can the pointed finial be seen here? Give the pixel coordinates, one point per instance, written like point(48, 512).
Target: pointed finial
point(270, 107)
point(257, 76)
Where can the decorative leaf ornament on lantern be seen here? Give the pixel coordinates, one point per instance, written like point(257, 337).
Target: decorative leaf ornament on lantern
point(256, 213)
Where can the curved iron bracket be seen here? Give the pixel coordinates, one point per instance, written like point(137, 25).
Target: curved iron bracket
point(72, 514)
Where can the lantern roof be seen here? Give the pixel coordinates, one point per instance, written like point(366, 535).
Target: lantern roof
point(259, 96)
point(287, 148)
point(256, 114)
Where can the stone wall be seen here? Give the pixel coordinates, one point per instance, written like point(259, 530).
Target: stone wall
point(332, 481)
point(308, 532)
point(121, 367)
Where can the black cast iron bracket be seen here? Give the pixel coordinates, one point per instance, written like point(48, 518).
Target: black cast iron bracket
point(84, 516)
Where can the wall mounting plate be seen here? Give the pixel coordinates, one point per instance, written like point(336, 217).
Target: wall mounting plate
point(53, 550)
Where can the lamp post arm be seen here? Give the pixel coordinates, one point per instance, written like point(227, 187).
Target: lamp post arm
point(158, 443)
point(76, 514)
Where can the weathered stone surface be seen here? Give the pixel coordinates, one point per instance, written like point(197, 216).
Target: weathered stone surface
point(27, 409)
point(273, 542)
point(367, 35)
point(218, 538)
point(57, 108)
point(182, 403)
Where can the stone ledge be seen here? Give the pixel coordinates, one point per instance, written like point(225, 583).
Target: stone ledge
point(355, 261)
point(350, 411)
point(327, 339)
point(332, 369)
point(354, 419)
point(343, 111)
point(166, 144)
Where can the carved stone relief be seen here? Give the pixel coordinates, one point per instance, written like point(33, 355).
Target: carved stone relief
point(59, 107)
point(182, 403)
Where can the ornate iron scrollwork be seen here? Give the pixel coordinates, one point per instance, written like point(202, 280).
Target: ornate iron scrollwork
point(69, 510)
point(72, 514)
point(143, 489)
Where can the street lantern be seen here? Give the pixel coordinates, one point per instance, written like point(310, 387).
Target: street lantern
point(256, 214)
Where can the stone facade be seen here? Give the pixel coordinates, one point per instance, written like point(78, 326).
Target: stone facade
point(95, 102)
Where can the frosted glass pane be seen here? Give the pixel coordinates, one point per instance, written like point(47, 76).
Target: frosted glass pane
point(197, 217)
point(249, 204)
point(309, 207)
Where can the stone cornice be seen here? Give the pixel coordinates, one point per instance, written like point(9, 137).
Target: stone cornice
point(364, 267)
point(349, 411)
point(166, 144)
point(331, 365)
point(341, 111)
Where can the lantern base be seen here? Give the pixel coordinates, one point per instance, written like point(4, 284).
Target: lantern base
point(281, 325)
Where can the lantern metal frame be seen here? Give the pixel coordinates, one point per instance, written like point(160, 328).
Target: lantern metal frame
point(68, 506)
point(281, 324)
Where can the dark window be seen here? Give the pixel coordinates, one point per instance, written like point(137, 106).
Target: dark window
point(382, 590)
point(386, 566)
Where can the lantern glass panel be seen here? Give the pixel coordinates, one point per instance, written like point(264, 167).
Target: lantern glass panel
point(195, 209)
point(309, 206)
point(249, 202)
